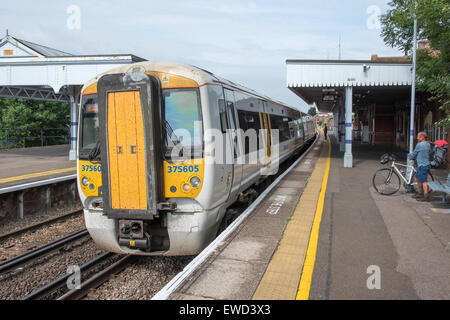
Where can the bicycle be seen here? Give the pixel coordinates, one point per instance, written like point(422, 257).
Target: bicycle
point(387, 181)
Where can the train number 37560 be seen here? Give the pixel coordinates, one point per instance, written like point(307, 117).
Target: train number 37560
point(185, 169)
point(91, 168)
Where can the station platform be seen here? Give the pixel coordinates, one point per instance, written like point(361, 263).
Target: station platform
point(21, 166)
point(323, 233)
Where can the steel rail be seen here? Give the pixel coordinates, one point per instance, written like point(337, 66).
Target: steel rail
point(10, 264)
point(39, 224)
point(61, 281)
point(97, 280)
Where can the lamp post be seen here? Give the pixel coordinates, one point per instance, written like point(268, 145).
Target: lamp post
point(410, 188)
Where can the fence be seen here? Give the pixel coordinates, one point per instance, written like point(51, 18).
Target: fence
point(435, 133)
point(33, 137)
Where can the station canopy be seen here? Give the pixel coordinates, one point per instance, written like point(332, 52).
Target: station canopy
point(33, 71)
point(373, 81)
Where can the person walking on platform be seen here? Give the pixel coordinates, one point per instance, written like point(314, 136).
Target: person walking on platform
point(325, 131)
point(422, 155)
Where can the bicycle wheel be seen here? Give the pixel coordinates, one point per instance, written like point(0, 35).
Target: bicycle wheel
point(386, 181)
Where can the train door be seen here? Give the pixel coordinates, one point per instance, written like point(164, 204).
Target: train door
point(236, 158)
point(129, 139)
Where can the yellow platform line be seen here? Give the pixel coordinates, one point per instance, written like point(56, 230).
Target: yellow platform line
point(37, 174)
point(283, 275)
point(308, 268)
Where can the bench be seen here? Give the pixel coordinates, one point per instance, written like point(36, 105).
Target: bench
point(441, 184)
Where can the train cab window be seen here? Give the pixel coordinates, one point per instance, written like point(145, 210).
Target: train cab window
point(182, 120)
point(89, 125)
point(182, 117)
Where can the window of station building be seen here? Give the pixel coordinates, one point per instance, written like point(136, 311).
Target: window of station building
point(248, 121)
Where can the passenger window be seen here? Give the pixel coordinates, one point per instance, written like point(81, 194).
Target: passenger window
point(282, 124)
point(230, 112)
point(223, 116)
point(247, 121)
point(229, 98)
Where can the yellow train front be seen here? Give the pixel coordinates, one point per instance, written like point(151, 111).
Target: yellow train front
point(148, 174)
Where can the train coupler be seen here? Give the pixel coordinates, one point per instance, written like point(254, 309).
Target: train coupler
point(132, 235)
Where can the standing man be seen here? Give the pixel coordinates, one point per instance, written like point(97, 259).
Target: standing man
point(325, 131)
point(422, 155)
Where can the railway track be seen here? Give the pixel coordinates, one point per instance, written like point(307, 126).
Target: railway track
point(75, 294)
point(98, 279)
point(40, 252)
point(39, 224)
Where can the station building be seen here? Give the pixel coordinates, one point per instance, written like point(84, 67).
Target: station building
point(370, 100)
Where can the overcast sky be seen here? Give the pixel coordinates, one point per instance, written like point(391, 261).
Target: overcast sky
point(247, 42)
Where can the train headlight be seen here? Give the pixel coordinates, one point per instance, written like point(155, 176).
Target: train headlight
point(186, 187)
point(85, 181)
point(195, 182)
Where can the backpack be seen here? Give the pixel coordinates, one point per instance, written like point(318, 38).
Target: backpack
point(438, 152)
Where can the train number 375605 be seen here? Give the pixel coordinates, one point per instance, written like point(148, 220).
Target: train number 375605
point(185, 169)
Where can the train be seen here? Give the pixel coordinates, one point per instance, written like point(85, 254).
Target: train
point(166, 149)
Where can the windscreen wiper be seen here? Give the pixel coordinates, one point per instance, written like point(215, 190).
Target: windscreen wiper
point(94, 154)
point(175, 140)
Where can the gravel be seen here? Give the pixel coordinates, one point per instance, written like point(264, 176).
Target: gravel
point(141, 280)
point(30, 240)
point(12, 224)
point(22, 281)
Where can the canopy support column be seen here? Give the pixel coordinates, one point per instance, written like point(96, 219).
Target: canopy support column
point(348, 156)
point(74, 93)
point(341, 128)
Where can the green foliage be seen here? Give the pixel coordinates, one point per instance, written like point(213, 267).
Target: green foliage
point(433, 67)
point(27, 115)
point(312, 111)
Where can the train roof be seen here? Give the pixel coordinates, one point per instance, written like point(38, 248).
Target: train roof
point(199, 75)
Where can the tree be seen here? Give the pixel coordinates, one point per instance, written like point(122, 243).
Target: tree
point(433, 65)
point(312, 111)
point(27, 115)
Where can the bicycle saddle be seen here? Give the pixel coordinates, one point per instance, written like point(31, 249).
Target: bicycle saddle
point(387, 157)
